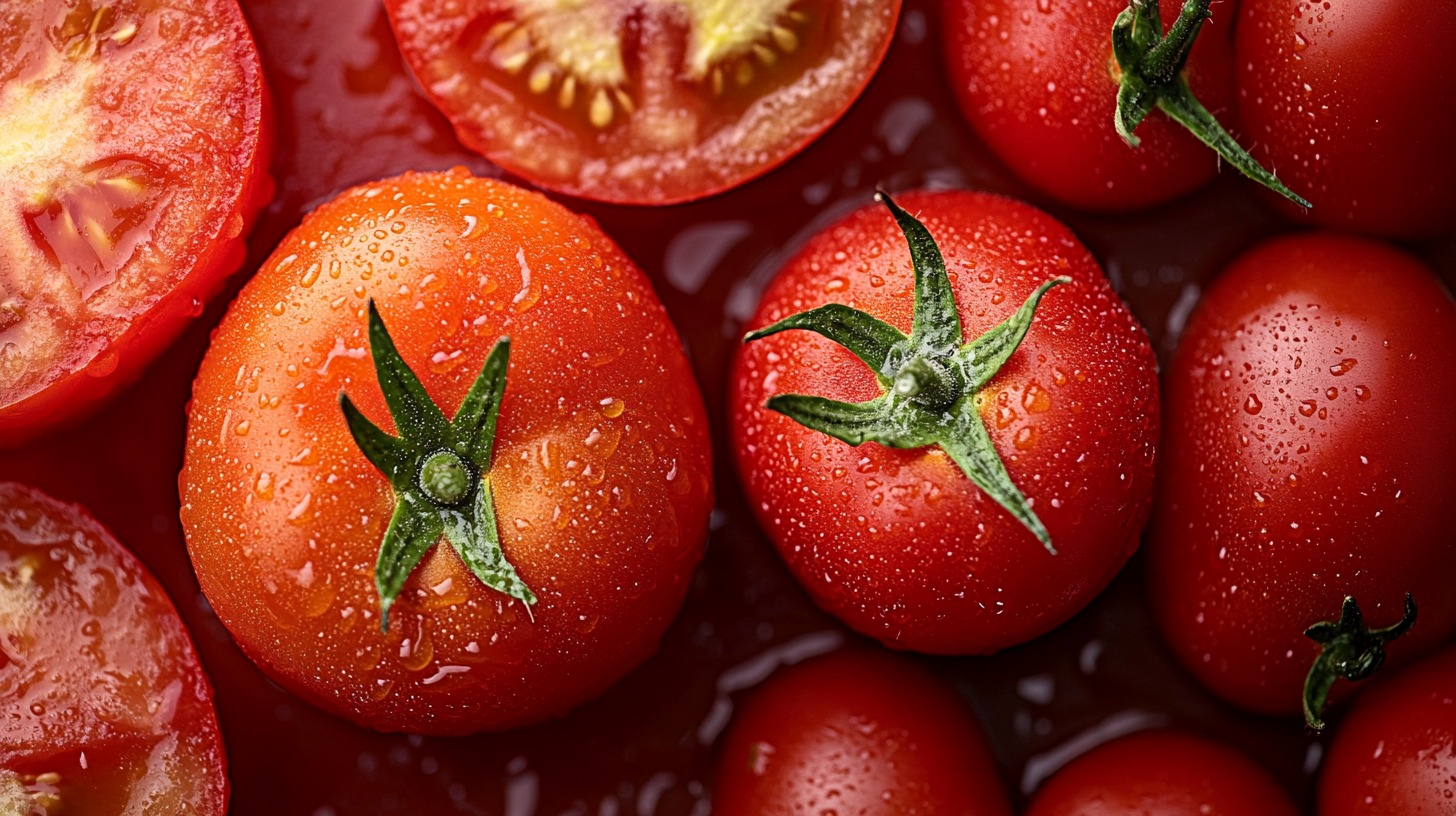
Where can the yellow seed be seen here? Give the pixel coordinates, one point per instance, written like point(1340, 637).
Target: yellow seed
point(600, 112)
point(100, 20)
point(499, 31)
point(514, 51)
point(124, 184)
point(786, 40)
point(98, 236)
point(48, 778)
point(765, 54)
point(717, 78)
point(744, 74)
point(124, 35)
point(624, 101)
point(566, 97)
point(541, 78)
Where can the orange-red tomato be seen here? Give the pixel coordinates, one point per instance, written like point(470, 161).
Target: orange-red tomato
point(134, 157)
point(1168, 773)
point(899, 543)
point(642, 102)
point(103, 705)
point(857, 732)
point(601, 472)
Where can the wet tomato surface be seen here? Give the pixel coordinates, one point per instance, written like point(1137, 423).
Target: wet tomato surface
point(349, 113)
point(103, 704)
point(598, 477)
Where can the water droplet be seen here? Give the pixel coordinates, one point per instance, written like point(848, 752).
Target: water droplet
point(612, 407)
point(1252, 405)
point(1362, 393)
point(1307, 407)
point(1343, 367)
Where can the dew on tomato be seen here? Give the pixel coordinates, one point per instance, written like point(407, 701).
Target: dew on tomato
point(642, 101)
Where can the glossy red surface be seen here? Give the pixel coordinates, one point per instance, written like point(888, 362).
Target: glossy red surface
point(348, 113)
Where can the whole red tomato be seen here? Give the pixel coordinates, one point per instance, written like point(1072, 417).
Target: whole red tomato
point(532, 510)
point(640, 102)
point(1039, 84)
point(1309, 459)
point(134, 157)
point(1395, 752)
point(1355, 125)
point(895, 536)
point(103, 705)
point(1167, 773)
point(856, 732)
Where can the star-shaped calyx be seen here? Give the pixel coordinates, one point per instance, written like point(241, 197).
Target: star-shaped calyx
point(440, 470)
point(1349, 650)
point(1150, 75)
point(930, 379)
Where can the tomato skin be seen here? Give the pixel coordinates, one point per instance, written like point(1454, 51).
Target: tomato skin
point(682, 142)
point(1352, 126)
point(1168, 773)
point(99, 681)
point(1395, 752)
point(862, 733)
point(78, 387)
point(899, 544)
point(1048, 114)
point(601, 471)
point(1308, 459)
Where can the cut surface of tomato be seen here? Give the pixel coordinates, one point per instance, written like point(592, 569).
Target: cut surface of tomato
point(103, 705)
point(134, 157)
point(642, 101)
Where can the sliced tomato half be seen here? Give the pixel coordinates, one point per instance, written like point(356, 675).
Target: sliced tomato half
point(103, 705)
point(133, 148)
point(642, 101)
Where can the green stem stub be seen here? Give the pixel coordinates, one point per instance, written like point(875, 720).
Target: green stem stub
point(1151, 76)
point(1348, 650)
point(929, 379)
point(440, 470)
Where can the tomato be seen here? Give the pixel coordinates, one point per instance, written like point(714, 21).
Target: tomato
point(103, 705)
point(856, 732)
point(1324, 101)
point(1035, 78)
point(596, 496)
point(640, 102)
point(135, 157)
point(1168, 773)
point(1309, 459)
point(1395, 752)
point(901, 544)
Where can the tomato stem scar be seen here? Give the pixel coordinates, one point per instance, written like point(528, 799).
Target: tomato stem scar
point(439, 469)
point(1348, 650)
point(930, 378)
point(1149, 71)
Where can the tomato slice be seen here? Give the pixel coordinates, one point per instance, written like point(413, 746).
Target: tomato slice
point(134, 157)
point(642, 101)
point(103, 705)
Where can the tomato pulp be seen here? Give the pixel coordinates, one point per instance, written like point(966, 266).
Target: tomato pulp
point(349, 113)
point(135, 158)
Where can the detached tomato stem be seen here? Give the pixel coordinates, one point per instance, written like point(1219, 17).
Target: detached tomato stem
point(931, 379)
point(1348, 650)
point(436, 467)
point(1150, 76)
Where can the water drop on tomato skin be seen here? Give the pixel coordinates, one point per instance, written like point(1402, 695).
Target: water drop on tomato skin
point(1253, 405)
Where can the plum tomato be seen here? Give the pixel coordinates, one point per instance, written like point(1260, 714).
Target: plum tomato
point(1395, 752)
point(642, 101)
point(135, 155)
point(922, 536)
point(857, 732)
point(1346, 118)
point(569, 494)
point(1169, 773)
point(1309, 460)
point(103, 705)
point(1089, 116)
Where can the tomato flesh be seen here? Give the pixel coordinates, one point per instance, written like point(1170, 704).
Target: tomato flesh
point(642, 101)
point(134, 156)
point(105, 707)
